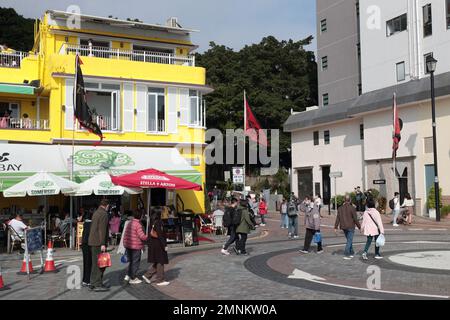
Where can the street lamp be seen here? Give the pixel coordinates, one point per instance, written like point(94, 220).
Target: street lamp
point(431, 67)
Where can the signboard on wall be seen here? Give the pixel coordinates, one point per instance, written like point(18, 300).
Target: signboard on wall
point(238, 175)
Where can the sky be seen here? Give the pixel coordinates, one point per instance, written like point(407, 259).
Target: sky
point(233, 23)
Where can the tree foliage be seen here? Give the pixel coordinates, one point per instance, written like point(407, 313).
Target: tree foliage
point(277, 75)
point(16, 31)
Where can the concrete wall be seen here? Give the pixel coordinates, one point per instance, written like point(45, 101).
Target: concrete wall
point(341, 79)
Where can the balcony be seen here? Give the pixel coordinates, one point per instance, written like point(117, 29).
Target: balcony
point(131, 55)
point(24, 124)
point(105, 123)
point(12, 59)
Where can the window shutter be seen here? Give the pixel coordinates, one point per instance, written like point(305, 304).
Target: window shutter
point(141, 108)
point(69, 114)
point(172, 111)
point(128, 107)
point(184, 107)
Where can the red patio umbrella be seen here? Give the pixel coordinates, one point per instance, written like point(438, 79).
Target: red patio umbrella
point(152, 178)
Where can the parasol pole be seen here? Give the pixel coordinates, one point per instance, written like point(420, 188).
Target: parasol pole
point(148, 208)
point(245, 137)
point(73, 146)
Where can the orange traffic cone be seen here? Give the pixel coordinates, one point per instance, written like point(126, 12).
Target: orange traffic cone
point(23, 270)
point(2, 285)
point(49, 262)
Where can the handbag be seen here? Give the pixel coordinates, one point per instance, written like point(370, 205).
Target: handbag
point(317, 237)
point(153, 233)
point(104, 260)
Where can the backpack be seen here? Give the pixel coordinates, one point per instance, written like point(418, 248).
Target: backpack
point(236, 217)
point(228, 217)
point(391, 204)
point(292, 209)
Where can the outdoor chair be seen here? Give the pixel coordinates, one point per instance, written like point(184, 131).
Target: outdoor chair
point(15, 239)
point(218, 224)
point(61, 236)
point(206, 226)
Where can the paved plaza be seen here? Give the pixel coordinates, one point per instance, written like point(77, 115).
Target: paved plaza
point(415, 266)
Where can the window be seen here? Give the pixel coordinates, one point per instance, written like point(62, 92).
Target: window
point(396, 25)
point(400, 71)
point(425, 57)
point(326, 136)
point(325, 99)
point(427, 21)
point(104, 100)
point(325, 63)
point(448, 14)
point(10, 108)
point(316, 138)
point(195, 108)
point(428, 144)
point(361, 131)
point(156, 110)
point(323, 26)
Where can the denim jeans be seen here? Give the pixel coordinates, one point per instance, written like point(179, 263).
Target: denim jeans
point(396, 213)
point(134, 257)
point(293, 225)
point(241, 242)
point(369, 242)
point(263, 220)
point(349, 247)
point(284, 220)
point(233, 237)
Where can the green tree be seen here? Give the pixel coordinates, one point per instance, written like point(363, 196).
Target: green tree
point(277, 75)
point(16, 31)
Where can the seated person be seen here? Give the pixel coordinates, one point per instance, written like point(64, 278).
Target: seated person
point(114, 223)
point(18, 226)
point(65, 225)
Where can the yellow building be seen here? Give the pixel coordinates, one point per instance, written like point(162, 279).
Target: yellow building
point(141, 83)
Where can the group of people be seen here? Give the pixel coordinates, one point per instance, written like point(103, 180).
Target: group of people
point(95, 236)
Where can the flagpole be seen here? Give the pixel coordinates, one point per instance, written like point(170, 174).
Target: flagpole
point(245, 137)
point(394, 153)
point(73, 145)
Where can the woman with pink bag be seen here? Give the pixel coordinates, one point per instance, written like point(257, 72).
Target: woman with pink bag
point(372, 227)
point(133, 242)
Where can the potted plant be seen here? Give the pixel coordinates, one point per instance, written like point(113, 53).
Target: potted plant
point(432, 202)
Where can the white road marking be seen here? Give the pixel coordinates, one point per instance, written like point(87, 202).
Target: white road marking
point(309, 277)
point(415, 229)
point(438, 229)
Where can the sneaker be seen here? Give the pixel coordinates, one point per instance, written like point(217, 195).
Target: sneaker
point(364, 256)
point(127, 278)
point(135, 281)
point(304, 251)
point(263, 224)
point(296, 237)
point(99, 289)
point(84, 284)
point(351, 256)
point(319, 251)
point(395, 225)
point(164, 283)
point(347, 258)
point(378, 257)
point(245, 253)
point(225, 252)
point(146, 279)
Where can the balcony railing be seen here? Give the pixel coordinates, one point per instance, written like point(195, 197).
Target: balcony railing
point(24, 124)
point(132, 55)
point(161, 126)
point(12, 59)
point(105, 123)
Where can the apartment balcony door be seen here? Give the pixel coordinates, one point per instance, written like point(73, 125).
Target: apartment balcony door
point(326, 185)
point(305, 182)
point(156, 111)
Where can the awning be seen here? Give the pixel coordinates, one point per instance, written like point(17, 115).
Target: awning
point(17, 89)
point(20, 161)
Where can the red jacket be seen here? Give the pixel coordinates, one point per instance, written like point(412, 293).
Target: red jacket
point(134, 236)
point(262, 207)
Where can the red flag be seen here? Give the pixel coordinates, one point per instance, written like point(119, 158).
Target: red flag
point(252, 127)
point(396, 137)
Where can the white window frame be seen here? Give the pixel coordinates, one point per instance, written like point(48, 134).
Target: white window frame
point(323, 99)
point(19, 115)
point(324, 58)
point(325, 24)
point(117, 93)
point(404, 71)
point(156, 95)
point(198, 122)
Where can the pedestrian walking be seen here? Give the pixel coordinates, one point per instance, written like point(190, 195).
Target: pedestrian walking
point(312, 224)
point(372, 227)
point(396, 209)
point(347, 220)
point(231, 220)
point(245, 226)
point(86, 249)
point(157, 250)
point(293, 220)
point(98, 239)
point(319, 204)
point(359, 197)
point(133, 242)
point(263, 211)
point(408, 206)
point(283, 213)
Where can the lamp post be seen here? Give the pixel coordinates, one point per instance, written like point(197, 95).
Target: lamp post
point(431, 67)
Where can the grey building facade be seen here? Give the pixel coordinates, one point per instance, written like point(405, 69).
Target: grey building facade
point(338, 53)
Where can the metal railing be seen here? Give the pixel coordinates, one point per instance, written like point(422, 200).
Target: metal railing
point(105, 123)
point(24, 124)
point(132, 55)
point(12, 59)
point(161, 126)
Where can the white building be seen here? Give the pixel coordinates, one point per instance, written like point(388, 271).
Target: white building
point(355, 136)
